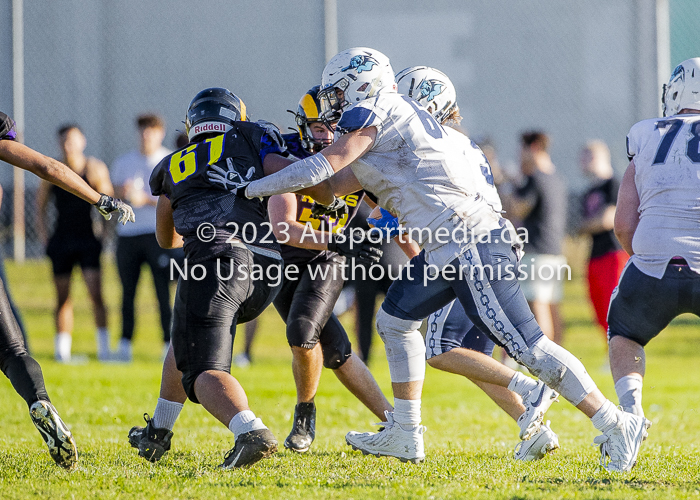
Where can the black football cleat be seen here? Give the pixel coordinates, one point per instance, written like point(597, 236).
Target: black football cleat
point(151, 441)
point(304, 428)
point(250, 447)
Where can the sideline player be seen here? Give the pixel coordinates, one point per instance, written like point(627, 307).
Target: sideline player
point(15, 362)
point(657, 224)
point(315, 335)
point(196, 211)
point(73, 242)
point(155, 439)
point(453, 343)
point(400, 153)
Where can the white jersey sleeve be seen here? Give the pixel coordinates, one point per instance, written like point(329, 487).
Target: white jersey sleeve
point(666, 155)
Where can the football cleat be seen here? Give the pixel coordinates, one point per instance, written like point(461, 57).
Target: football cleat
point(151, 441)
point(537, 402)
point(55, 433)
point(304, 429)
point(619, 446)
point(541, 443)
point(250, 448)
point(391, 441)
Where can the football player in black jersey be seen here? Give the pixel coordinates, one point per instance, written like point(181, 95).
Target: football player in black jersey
point(232, 271)
point(15, 362)
point(315, 335)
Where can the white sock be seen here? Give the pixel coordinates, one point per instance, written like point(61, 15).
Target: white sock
point(102, 341)
point(63, 343)
point(245, 421)
point(166, 413)
point(629, 393)
point(125, 347)
point(407, 411)
point(522, 384)
point(606, 417)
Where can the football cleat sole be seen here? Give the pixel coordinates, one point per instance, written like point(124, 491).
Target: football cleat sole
point(55, 434)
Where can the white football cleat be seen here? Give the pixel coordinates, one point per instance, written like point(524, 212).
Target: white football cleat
point(392, 441)
point(619, 445)
point(541, 443)
point(536, 403)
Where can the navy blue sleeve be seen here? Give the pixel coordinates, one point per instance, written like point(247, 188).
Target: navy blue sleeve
point(7, 128)
point(272, 142)
point(356, 118)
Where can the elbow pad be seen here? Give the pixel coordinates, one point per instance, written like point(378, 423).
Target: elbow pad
point(299, 175)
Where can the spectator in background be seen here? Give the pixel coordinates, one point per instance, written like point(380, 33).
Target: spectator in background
point(74, 242)
point(607, 257)
point(136, 243)
point(541, 206)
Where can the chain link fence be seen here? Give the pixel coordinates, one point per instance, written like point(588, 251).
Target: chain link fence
point(579, 70)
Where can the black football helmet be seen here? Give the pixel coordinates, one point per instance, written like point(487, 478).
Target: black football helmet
point(213, 110)
point(309, 111)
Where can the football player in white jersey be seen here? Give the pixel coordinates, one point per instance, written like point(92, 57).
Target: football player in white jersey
point(418, 171)
point(657, 224)
point(452, 342)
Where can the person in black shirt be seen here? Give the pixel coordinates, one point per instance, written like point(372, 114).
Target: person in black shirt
point(73, 242)
point(607, 258)
point(541, 206)
point(15, 362)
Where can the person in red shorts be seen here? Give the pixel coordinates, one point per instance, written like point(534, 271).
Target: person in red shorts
point(607, 257)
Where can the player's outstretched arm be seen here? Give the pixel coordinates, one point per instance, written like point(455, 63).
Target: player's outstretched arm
point(627, 212)
point(317, 168)
point(166, 235)
point(21, 156)
point(322, 193)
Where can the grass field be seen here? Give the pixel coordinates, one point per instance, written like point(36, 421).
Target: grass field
point(469, 441)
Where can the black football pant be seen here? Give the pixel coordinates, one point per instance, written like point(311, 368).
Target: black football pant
point(132, 253)
point(15, 362)
point(306, 306)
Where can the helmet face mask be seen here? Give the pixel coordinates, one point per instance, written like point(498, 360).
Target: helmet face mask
point(213, 111)
point(352, 76)
point(683, 88)
point(308, 113)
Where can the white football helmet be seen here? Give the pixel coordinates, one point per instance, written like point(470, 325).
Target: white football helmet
point(429, 87)
point(683, 89)
point(352, 76)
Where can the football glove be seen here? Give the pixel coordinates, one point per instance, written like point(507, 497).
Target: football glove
point(337, 209)
point(230, 179)
point(363, 250)
point(386, 223)
point(107, 205)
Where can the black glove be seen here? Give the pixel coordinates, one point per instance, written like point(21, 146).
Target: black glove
point(337, 209)
point(363, 250)
point(107, 205)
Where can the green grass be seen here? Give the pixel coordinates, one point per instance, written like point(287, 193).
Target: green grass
point(469, 441)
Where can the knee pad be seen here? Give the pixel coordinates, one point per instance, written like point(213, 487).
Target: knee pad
point(303, 332)
point(559, 369)
point(404, 345)
point(335, 355)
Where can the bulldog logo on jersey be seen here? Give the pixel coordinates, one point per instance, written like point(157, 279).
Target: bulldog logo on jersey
point(430, 89)
point(361, 63)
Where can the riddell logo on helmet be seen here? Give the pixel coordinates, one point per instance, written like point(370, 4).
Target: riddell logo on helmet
point(210, 127)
